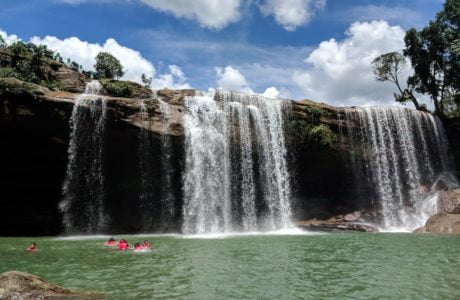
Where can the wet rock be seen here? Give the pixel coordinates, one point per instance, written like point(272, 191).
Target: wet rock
point(443, 223)
point(450, 201)
point(335, 226)
point(420, 230)
point(175, 97)
point(352, 217)
point(25, 286)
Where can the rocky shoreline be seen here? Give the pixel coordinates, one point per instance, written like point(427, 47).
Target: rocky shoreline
point(25, 286)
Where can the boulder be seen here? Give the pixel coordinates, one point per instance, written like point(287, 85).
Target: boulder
point(420, 230)
point(443, 223)
point(352, 217)
point(21, 285)
point(450, 201)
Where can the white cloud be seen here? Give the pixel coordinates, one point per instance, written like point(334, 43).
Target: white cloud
point(175, 79)
point(133, 63)
point(292, 13)
point(231, 79)
point(209, 13)
point(271, 92)
point(9, 39)
point(340, 71)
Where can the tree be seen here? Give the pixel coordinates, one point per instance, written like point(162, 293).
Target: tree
point(434, 53)
point(388, 67)
point(146, 80)
point(2, 42)
point(108, 66)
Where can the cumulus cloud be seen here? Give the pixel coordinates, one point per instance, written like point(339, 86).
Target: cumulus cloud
point(271, 92)
point(292, 13)
point(231, 79)
point(208, 13)
point(341, 72)
point(175, 79)
point(9, 39)
point(133, 63)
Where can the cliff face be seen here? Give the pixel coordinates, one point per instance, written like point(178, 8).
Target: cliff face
point(34, 129)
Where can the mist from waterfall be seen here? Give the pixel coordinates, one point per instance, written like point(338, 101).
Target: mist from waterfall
point(236, 176)
point(83, 199)
point(396, 156)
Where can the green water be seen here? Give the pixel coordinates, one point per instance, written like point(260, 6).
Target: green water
point(357, 266)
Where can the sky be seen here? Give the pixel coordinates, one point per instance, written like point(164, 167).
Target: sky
point(298, 49)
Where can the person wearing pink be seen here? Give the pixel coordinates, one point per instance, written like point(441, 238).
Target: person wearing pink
point(123, 245)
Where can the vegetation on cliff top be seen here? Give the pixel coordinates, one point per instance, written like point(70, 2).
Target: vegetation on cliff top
point(434, 54)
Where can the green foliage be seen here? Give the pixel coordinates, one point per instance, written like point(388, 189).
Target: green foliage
point(7, 72)
point(315, 113)
point(10, 86)
point(323, 135)
point(117, 88)
point(310, 131)
point(388, 67)
point(434, 53)
point(108, 66)
point(2, 42)
point(146, 80)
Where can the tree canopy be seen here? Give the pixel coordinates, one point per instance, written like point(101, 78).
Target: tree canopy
point(434, 54)
point(108, 66)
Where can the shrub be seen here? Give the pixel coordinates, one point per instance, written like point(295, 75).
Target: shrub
point(117, 88)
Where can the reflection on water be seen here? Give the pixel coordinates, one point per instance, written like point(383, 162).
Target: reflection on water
point(248, 266)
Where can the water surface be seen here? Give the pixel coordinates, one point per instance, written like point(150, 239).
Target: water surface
point(357, 266)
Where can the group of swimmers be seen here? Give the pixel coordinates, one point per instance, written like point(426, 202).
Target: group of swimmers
point(123, 245)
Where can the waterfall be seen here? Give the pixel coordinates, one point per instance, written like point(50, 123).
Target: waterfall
point(236, 174)
point(82, 203)
point(167, 196)
point(147, 193)
point(402, 153)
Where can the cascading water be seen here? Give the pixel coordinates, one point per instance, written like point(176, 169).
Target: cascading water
point(82, 203)
point(236, 174)
point(167, 197)
point(146, 194)
point(402, 153)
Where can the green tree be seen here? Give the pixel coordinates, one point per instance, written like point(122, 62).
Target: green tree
point(2, 42)
point(434, 53)
point(108, 66)
point(388, 67)
point(146, 80)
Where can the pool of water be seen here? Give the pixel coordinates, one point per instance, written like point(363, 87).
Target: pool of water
point(358, 266)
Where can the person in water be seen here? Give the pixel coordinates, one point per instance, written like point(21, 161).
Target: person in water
point(111, 242)
point(138, 246)
point(123, 245)
point(146, 245)
point(32, 247)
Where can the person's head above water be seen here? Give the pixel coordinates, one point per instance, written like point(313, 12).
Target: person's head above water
point(111, 239)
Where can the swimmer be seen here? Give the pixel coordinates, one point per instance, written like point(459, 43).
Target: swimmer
point(111, 242)
point(32, 247)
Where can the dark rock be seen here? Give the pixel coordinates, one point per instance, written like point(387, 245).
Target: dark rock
point(450, 201)
point(443, 223)
point(21, 285)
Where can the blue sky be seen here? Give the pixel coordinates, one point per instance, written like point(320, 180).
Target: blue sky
point(317, 49)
